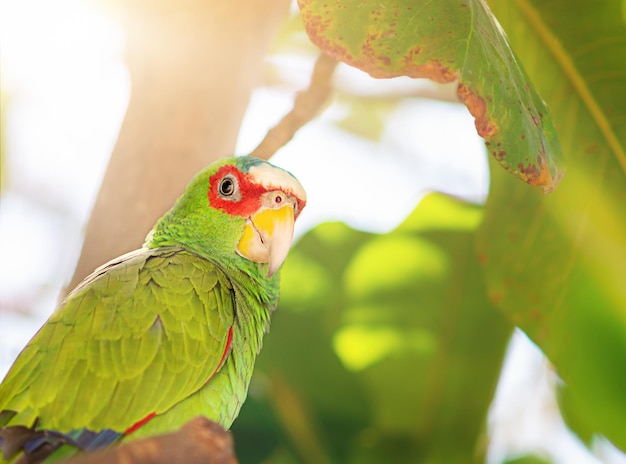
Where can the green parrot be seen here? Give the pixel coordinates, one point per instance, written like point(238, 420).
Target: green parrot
point(164, 333)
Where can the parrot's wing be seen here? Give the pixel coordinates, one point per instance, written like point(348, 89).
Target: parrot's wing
point(138, 336)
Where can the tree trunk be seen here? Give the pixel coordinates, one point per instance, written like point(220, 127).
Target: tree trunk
point(193, 65)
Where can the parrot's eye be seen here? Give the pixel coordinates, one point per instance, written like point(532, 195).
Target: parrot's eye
point(229, 188)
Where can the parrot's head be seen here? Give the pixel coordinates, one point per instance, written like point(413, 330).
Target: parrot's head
point(237, 208)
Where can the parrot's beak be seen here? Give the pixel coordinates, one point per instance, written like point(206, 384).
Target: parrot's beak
point(267, 236)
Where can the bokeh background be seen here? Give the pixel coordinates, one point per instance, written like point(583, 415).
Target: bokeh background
point(64, 91)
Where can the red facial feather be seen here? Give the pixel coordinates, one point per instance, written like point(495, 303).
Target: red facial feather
point(301, 205)
point(250, 193)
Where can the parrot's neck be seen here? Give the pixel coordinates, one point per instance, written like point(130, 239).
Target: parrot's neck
point(250, 280)
point(213, 237)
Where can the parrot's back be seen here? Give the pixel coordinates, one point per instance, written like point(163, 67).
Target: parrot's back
point(165, 333)
point(146, 343)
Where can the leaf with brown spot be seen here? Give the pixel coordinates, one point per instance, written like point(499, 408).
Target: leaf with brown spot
point(447, 40)
point(556, 264)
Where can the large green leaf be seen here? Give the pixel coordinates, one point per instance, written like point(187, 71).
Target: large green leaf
point(447, 40)
point(385, 348)
point(556, 264)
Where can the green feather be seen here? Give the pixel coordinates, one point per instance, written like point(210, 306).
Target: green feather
point(147, 332)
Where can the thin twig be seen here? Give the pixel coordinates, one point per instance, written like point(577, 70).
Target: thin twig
point(306, 106)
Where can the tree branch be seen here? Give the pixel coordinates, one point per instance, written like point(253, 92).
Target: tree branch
point(200, 441)
point(306, 106)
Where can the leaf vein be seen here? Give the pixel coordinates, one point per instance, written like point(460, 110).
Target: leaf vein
point(577, 81)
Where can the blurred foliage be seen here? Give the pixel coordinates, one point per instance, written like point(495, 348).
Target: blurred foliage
point(366, 117)
point(385, 347)
point(556, 264)
point(366, 355)
point(528, 459)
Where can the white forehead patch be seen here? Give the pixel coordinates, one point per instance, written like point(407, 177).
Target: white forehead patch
point(272, 177)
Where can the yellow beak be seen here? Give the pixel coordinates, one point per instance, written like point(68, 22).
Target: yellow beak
point(267, 236)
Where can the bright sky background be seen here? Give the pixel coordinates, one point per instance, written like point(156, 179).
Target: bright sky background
point(64, 92)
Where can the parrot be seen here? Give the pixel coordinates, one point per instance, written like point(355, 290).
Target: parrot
point(164, 333)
